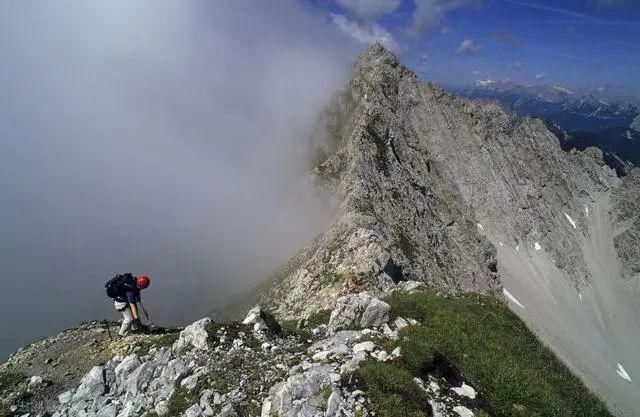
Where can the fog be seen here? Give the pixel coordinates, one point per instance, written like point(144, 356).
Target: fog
point(165, 138)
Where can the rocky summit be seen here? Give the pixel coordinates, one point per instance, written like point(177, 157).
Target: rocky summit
point(447, 212)
point(253, 368)
point(466, 197)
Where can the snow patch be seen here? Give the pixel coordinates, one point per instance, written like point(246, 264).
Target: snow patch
point(537, 246)
point(517, 248)
point(573, 222)
point(580, 296)
point(484, 83)
point(586, 210)
point(512, 298)
point(623, 373)
point(500, 243)
point(480, 226)
point(563, 89)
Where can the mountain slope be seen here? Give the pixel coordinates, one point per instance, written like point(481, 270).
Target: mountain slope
point(465, 197)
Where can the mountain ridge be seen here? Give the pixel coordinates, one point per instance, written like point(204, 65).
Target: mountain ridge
point(466, 197)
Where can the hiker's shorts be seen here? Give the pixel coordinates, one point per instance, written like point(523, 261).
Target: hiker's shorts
point(127, 317)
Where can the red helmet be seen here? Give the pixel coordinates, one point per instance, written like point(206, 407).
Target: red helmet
point(142, 281)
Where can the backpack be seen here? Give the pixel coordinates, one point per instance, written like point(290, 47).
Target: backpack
point(116, 284)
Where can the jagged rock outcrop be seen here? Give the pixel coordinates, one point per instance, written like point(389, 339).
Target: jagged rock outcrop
point(467, 197)
point(237, 371)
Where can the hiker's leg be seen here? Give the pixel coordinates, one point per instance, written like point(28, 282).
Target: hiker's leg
point(127, 319)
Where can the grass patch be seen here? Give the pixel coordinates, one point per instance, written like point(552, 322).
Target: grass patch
point(182, 398)
point(334, 278)
point(391, 390)
point(179, 401)
point(158, 341)
point(491, 347)
point(407, 245)
point(9, 381)
point(318, 318)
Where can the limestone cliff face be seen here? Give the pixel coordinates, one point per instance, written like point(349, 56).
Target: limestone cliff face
point(430, 184)
point(466, 197)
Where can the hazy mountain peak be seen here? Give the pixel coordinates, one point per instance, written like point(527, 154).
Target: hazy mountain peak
point(467, 198)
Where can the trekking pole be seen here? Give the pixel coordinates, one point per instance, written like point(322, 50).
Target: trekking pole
point(106, 324)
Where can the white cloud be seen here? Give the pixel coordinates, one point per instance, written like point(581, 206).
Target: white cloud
point(469, 46)
point(517, 65)
point(368, 33)
point(539, 76)
point(484, 83)
point(612, 3)
point(430, 13)
point(369, 9)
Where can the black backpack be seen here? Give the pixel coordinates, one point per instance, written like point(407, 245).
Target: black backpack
point(115, 285)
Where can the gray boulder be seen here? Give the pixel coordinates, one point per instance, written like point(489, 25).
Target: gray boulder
point(359, 311)
point(91, 386)
point(194, 335)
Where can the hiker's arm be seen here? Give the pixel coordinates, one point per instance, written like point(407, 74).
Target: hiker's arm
point(134, 310)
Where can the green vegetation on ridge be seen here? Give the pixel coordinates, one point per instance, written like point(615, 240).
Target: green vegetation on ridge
point(514, 373)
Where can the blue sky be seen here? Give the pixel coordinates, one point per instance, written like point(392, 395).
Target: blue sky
point(585, 44)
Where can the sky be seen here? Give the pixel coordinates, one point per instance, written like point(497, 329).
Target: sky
point(161, 138)
point(583, 44)
point(172, 138)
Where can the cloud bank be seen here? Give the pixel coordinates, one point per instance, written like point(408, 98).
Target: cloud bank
point(468, 47)
point(164, 138)
point(369, 9)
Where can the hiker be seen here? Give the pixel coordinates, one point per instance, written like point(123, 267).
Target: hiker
point(125, 291)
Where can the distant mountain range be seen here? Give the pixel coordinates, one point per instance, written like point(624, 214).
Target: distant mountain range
point(587, 118)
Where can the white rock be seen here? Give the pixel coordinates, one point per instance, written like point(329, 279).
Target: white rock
point(381, 355)
point(391, 334)
point(367, 346)
point(353, 363)
point(193, 411)
point(194, 335)
point(266, 408)
point(252, 316)
point(400, 323)
point(333, 403)
point(465, 391)
point(463, 411)
point(35, 382)
point(162, 408)
point(411, 286)
point(395, 353)
point(65, 397)
point(107, 410)
point(260, 326)
point(227, 411)
point(125, 368)
point(321, 356)
point(360, 310)
point(91, 385)
point(189, 382)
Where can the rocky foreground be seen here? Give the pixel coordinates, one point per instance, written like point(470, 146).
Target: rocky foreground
point(253, 368)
